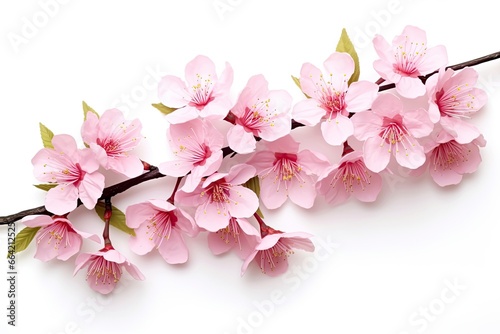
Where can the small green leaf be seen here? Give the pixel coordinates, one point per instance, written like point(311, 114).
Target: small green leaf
point(254, 185)
point(47, 136)
point(345, 45)
point(86, 109)
point(297, 82)
point(117, 218)
point(163, 108)
point(23, 239)
point(46, 187)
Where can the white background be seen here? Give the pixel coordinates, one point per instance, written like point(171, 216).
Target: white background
point(390, 260)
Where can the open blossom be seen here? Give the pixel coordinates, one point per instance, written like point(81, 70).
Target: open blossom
point(332, 100)
point(160, 225)
point(272, 252)
point(261, 113)
point(406, 59)
point(453, 99)
point(238, 235)
point(203, 94)
point(349, 177)
point(220, 197)
point(389, 131)
point(112, 138)
point(197, 148)
point(57, 237)
point(73, 170)
point(448, 160)
point(105, 268)
point(284, 172)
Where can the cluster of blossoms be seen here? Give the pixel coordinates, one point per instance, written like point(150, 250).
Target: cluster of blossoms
point(216, 193)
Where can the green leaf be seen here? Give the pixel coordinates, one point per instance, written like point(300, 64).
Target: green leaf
point(163, 108)
point(254, 185)
point(23, 239)
point(47, 136)
point(297, 82)
point(46, 187)
point(345, 45)
point(117, 218)
point(86, 109)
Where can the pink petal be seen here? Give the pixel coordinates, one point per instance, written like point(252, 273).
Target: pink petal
point(435, 58)
point(303, 193)
point(218, 245)
point(410, 87)
point(37, 220)
point(90, 189)
point(366, 124)
point(309, 76)
point(211, 217)
point(239, 174)
point(172, 92)
point(240, 140)
point(462, 131)
point(272, 195)
point(337, 130)
point(360, 96)
point(340, 67)
point(200, 66)
point(134, 271)
point(130, 166)
point(73, 246)
point(243, 202)
point(174, 250)
point(376, 154)
point(61, 199)
point(90, 128)
point(308, 112)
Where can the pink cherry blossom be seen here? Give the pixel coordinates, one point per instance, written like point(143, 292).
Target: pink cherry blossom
point(112, 138)
point(273, 250)
point(261, 113)
point(448, 160)
point(220, 197)
point(349, 177)
point(73, 170)
point(332, 100)
point(406, 59)
point(239, 235)
point(105, 269)
point(159, 224)
point(57, 237)
point(197, 148)
point(388, 130)
point(203, 94)
point(453, 99)
point(284, 172)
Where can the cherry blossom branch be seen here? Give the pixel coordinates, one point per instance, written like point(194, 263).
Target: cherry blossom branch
point(153, 172)
point(108, 192)
point(456, 67)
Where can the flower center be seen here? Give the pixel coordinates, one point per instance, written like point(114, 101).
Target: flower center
point(104, 271)
point(408, 58)
point(351, 174)
point(271, 257)
point(160, 227)
point(457, 101)
point(201, 93)
point(449, 155)
point(394, 133)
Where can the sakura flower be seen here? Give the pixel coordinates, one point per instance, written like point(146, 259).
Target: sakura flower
point(57, 237)
point(389, 131)
point(197, 148)
point(239, 235)
point(273, 250)
point(449, 160)
point(284, 172)
point(73, 170)
point(261, 113)
point(203, 94)
point(159, 224)
point(406, 59)
point(332, 100)
point(112, 138)
point(105, 268)
point(349, 177)
point(220, 197)
point(453, 99)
